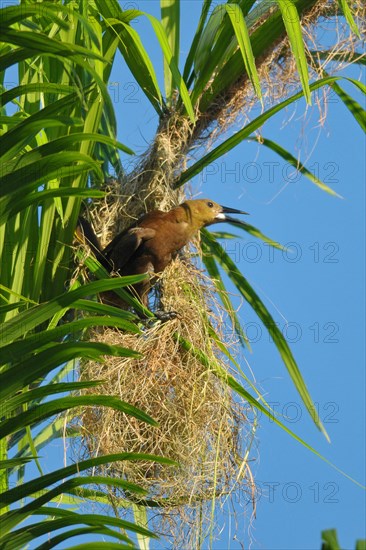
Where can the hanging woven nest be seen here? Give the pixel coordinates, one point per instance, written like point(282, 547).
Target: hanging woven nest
point(200, 424)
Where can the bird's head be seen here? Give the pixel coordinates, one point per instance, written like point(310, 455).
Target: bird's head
point(203, 212)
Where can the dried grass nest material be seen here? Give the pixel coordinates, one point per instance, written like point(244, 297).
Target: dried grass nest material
point(201, 425)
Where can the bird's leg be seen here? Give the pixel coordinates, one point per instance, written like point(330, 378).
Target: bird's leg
point(158, 310)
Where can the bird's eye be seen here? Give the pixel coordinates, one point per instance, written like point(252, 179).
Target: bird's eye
point(210, 204)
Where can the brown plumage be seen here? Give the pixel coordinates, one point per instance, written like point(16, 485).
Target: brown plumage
point(151, 243)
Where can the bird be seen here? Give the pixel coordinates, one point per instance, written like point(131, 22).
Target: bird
point(152, 242)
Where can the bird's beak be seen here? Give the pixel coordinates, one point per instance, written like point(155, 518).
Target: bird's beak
point(221, 216)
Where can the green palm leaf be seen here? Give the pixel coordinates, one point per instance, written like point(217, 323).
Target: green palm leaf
point(291, 160)
point(170, 20)
point(29, 319)
point(349, 17)
point(256, 303)
point(44, 411)
point(291, 20)
point(56, 541)
point(32, 487)
point(242, 35)
point(245, 133)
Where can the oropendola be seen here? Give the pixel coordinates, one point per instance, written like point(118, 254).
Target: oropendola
point(153, 241)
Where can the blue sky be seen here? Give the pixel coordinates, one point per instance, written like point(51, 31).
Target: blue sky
point(315, 292)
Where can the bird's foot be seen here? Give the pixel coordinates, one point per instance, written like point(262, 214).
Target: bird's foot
point(164, 316)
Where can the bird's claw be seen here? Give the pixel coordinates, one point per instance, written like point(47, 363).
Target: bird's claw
point(164, 316)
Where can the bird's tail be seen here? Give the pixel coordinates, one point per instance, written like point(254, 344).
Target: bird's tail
point(85, 234)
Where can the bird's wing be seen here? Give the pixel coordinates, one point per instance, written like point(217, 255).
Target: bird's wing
point(121, 249)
